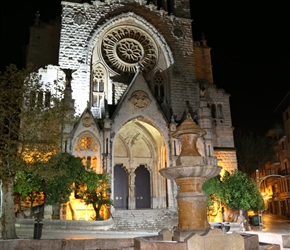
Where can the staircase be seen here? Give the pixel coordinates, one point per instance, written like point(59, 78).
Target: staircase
point(145, 220)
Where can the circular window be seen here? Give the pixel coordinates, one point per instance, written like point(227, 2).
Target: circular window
point(124, 48)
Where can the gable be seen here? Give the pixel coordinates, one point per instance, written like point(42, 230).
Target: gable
point(138, 102)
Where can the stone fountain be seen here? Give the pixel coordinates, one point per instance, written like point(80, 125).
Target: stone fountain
point(190, 173)
point(193, 230)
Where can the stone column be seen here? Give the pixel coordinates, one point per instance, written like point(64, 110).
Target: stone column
point(192, 212)
point(131, 198)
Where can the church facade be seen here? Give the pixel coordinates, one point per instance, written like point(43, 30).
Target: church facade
point(133, 74)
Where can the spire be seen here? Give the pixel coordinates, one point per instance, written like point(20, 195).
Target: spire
point(203, 40)
point(37, 19)
point(68, 90)
point(68, 77)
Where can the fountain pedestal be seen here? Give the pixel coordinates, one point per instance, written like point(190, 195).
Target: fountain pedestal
point(191, 199)
point(190, 173)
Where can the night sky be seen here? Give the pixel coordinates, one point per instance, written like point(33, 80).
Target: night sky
point(250, 50)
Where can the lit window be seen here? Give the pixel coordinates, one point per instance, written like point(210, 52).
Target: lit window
point(159, 85)
point(86, 142)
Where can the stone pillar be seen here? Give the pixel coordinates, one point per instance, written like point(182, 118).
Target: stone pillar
point(192, 212)
point(131, 199)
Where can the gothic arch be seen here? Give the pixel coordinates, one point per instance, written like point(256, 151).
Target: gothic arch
point(99, 83)
point(88, 147)
point(160, 85)
point(146, 147)
point(123, 147)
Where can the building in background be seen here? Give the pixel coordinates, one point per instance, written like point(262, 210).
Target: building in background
point(274, 177)
point(133, 74)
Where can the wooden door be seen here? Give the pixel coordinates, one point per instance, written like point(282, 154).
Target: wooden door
point(142, 188)
point(120, 187)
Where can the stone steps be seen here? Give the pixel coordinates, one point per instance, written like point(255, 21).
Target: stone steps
point(147, 220)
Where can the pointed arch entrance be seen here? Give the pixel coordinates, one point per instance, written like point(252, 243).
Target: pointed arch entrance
point(141, 149)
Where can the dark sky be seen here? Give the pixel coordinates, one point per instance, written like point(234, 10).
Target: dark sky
point(250, 50)
point(250, 57)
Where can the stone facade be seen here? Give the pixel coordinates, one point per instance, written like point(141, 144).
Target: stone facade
point(135, 74)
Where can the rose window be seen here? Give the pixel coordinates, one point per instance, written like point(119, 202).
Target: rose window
point(129, 51)
point(125, 47)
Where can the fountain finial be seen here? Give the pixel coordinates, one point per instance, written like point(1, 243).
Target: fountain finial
point(188, 126)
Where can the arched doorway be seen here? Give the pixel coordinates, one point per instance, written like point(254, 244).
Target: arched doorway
point(120, 187)
point(141, 150)
point(142, 188)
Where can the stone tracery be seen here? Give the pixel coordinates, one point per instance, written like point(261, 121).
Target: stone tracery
point(125, 47)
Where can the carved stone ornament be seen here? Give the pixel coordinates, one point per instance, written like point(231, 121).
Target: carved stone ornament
point(125, 47)
point(140, 99)
point(178, 32)
point(79, 19)
point(87, 121)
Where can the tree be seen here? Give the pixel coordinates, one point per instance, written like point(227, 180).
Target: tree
point(241, 192)
point(30, 117)
point(253, 151)
point(214, 191)
point(96, 191)
point(236, 191)
point(58, 186)
point(26, 186)
point(53, 179)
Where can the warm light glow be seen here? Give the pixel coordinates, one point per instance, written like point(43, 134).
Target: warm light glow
point(30, 156)
point(222, 173)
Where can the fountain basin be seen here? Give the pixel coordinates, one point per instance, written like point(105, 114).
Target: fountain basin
point(190, 171)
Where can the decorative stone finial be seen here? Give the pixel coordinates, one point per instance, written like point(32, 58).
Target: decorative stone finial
point(203, 40)
point(188, 126)
point(37, 19)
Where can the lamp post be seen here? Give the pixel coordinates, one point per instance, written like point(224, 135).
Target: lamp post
point(259, 185)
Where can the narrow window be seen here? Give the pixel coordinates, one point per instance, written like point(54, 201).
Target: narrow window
point(89, 162)
point(40, 99)
point(47, 99)
point(220, 111)
point(213, 111)
point(158, 83)
point(94, 163)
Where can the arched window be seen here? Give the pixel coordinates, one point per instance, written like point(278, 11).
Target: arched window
point(94, 163)
point(158, 85)
point(220, 111)
point(47, 99)
point(40, 99)
point(101, 87)
point(88, 150)
point(89, 162)
point(213, 111)
point(98, 84)
point(98, 77)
